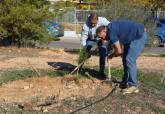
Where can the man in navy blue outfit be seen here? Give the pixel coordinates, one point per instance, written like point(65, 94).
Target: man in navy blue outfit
point(132, 37)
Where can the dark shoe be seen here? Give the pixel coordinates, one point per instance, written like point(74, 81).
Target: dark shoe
point(123, 85)
point(102, 76)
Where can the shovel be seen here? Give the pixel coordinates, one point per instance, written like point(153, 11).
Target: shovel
point(109, 77)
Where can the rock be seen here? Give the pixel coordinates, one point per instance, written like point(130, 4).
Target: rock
point(5, 109)
point(105, 110)
point(20, 106)
point(31, 85)
point(39, 90)
point(26, 87)
point(45, 110)
point(18, 51)
point(73, 98)
point(28, 106)
point(85, 86)
point(93, 88)
point(5, 100)
point(70, 85)
point(45, 87)
point(37, 108)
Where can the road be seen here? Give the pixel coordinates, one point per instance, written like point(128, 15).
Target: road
point(66, 43)
point(74, 43)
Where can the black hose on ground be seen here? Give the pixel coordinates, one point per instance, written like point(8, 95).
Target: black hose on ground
point(102, 99)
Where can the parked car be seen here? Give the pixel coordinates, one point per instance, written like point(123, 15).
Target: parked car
point(160, 32)
point(54, 29)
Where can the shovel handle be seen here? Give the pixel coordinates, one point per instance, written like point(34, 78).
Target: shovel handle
point(109, 69)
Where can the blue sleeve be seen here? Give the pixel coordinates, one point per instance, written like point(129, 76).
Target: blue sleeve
point(112, 34)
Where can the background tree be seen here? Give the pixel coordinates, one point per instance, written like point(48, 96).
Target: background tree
point(152, 4)
point(155, 6)
point(120, 9)
point(142, 11)
point(21, 21)
point(103, 3)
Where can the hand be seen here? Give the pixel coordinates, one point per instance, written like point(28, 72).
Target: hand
point(88, 49)
point(99, 43)
point(110, 56)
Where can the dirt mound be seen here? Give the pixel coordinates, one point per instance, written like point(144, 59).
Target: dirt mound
point(42, 87)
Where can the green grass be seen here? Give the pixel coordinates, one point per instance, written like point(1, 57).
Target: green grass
point(162, 55)
point(13, 75)
point(151, 85)
point(157, 109)
point(150, 80)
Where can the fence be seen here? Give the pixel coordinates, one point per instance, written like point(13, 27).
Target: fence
point(72, 19)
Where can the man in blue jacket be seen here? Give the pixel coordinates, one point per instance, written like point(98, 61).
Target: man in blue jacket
point(132, 37)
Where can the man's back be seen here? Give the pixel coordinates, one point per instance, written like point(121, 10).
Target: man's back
point(125, 31)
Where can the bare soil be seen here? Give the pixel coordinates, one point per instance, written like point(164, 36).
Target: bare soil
point(23, 91)
point(14, 58)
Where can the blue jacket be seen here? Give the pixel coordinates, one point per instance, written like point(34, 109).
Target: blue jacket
point(124, 31)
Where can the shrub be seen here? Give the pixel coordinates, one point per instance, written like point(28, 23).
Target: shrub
point(20, 21)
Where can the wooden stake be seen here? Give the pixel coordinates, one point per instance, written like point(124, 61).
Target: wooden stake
point(77, 68)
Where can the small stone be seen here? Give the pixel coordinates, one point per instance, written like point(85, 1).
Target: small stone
point(18, 51)
point(39, 90)
point(93, 88)
point(105, 110)
point(73, 98)
point(28, 106)
point(45, 110)
point(70, 86)
point(31, 85)
point(37, 108)
point(5, 100)
point(26, 87)
point(85, 86)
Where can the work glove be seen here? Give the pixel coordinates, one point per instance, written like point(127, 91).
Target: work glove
point(88, 49)
point(99, 42)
